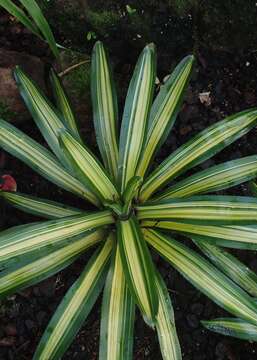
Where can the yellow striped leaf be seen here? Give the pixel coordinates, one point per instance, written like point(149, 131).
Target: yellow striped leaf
point(75, 306)
point(241, 237)
point(165, 324)
point(216, 178)
point(201, 147)
point(20, 240)
point(41, 160)
point(47, 118)
point(138, 268)
point(64, 106)
point(118, 313)
point(37, 206)
point(135, 116)
point(230, 265)
point(204, 276)
point(88, 169)
point(27, 273)
point(105, 109)
point(164, 111)
point(211, 209)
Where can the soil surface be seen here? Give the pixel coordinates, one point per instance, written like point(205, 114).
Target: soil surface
point(232, 83)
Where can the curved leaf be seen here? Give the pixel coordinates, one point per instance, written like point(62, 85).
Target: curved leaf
point(26, 273)
point(232, 327)
point(75, 306)
point(63, 105)
point(135, 116)
point(201, 147)
point(164, 111)
point(14, 10)
point(204, 276)
point(47, 118)
point(230, 265)
point(216, 178)
point(241, 237)
point(165, 324)
point(21, 240)
point(118, 313)
point(37, 206)
point(41, 160)
point(88, 168)
point(105, 109)
point(138, 268)
point(204, 209)
point(35, 12)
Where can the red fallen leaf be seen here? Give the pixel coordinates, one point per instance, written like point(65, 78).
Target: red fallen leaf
point(8, 183)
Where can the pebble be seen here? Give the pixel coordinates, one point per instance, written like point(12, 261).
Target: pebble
point(193, 321)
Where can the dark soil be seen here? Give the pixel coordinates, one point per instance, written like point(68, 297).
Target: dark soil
point(232, 83)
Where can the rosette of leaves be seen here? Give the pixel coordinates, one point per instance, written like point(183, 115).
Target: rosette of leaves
point(136, 208)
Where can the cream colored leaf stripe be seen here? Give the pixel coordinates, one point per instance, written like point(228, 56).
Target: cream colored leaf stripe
point(136, 112)
point(75, 306)
point(165, 324)
point(105, 108)
point(37, 206)
point(230, 265)
point(20, 277)
point(118, 313)
point(88, 168)
point(138, 268)
point(220, 209)
point(204, 276)
point(26, 238)
point(201, 147)
point(41, 160)
point(231, 234)
point(164, 111)
point(216, 178)
point(63, 105)
point(44, 114)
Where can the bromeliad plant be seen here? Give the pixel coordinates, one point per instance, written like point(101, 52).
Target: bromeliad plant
point(132, 210)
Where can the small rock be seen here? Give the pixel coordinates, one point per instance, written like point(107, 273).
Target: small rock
point(197, 309)
point(221, 350)
point(205, 98)
point(29, 324)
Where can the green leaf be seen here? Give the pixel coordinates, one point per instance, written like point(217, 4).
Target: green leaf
point(138, 268)
point(230, 265)
point(36, 14)
point(75, 306)
point(87, 168)
point(37, 206)
point(204, 276)
point(164, 111)
point(105, 109)
point(204, 209)
point(216, 178)
point(232, 327)
point(23, 239)
point(201, 147)
point(64, 106)
point(165, 324)
point(253, 188)
point(241, 237)
point(27, 273)
point(118, 314)
point(41, 160)
point(131, 192)
point(135, 116)
point(47, 118)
